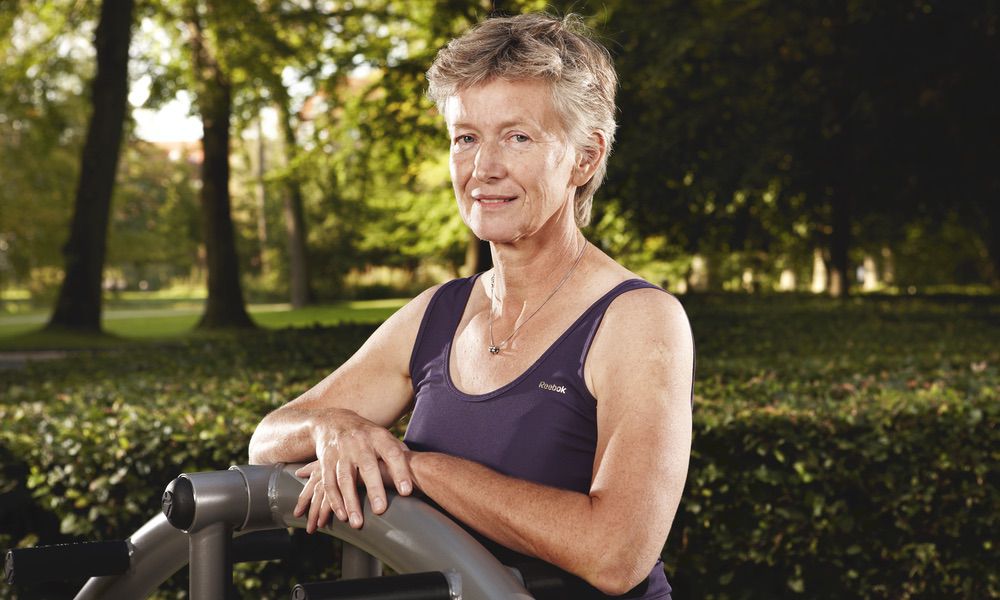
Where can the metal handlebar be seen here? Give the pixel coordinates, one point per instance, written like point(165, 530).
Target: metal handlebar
point(203, 511)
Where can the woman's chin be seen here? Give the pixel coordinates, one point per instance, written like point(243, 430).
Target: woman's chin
point(493, 232)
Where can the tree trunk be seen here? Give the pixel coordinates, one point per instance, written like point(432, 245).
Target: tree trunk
point(699, 276)
point(79, 303)
point(261, 197)
point(295, 221)
point(840, 243)
point(478, 256)
point(225, 307)
point(819, 280)
point(991, 227)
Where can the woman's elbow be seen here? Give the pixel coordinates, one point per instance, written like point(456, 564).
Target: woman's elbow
point(617, 568)
point(261, 448)
point(616, 579)
point(255, 451)
point(266, 441)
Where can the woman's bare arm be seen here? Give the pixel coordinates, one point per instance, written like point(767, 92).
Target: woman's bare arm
point(342, 420)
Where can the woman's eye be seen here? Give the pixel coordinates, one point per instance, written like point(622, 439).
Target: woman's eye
point(464, 139)
point(519, 138)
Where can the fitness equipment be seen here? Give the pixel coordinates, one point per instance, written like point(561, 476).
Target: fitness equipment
point(212, 519)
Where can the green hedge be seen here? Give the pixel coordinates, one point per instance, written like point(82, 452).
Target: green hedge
point(840, 450)
point(90, 442)
point(883, 496)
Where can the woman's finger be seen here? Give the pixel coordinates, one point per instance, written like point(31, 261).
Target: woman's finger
point(348, 487)
point(315, 507)
point(305, 496)
point(371, 475)
point(324, 512)
point(333, 499)
point(393, 454)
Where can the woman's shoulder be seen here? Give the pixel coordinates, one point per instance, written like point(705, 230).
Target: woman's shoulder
point(645, 333)
point(638, 299)
point(645, 308)
point(642, 314)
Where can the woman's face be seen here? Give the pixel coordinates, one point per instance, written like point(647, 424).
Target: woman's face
point(513, 170)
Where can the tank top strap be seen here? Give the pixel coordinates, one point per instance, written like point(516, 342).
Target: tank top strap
point(571, 350)
point(439, 323)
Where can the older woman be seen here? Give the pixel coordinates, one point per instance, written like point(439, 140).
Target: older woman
point(551, 395)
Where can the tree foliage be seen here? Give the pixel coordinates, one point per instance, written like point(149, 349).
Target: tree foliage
point(44, 67)
point(156, 232)
point(751, 133)
point(758, 126)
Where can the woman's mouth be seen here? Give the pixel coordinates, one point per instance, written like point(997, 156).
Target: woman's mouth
point(492, 199)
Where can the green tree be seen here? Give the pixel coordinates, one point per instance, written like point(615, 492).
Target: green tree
point(758, 127)
point(380, 149)
point(208, 25)
point(42, 125)
point(79, 303)
point(293, 204)
point(351, 137)
point(155, 232)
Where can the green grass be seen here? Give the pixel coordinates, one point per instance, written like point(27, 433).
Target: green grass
point(146, 319)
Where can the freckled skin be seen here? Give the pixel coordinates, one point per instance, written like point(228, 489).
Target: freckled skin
point(507, 143)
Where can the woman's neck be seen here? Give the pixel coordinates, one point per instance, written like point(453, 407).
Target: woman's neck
point(526, 273)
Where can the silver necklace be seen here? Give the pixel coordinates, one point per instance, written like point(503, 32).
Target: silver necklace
point(495, 348)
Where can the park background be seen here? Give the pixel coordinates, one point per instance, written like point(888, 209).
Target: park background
point(818, 183)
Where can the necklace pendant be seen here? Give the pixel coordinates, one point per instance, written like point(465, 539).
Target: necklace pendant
point(494, 350)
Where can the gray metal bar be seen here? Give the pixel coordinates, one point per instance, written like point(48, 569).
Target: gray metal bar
point(412, 537)
point(211, 566)
point(409, 537)
point(355, 563)
point(219, 496)
point(258, 480)
point(158, 550)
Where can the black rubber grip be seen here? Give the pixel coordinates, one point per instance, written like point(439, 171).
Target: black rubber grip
point(272, 544)
point(415, 586)
point(178, 503)
point(66, 562)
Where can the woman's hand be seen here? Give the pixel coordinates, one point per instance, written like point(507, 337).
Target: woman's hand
point(312, 498)
point(348, 445)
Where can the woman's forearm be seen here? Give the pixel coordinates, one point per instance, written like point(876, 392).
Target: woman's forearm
point(373, 384)
point(568, 529)
point(285, 435)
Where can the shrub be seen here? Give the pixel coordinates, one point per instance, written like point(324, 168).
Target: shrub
point(90, 442)
point(882, 495)
point(840, 450)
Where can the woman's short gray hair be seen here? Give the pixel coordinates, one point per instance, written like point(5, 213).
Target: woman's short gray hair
point(561, 51)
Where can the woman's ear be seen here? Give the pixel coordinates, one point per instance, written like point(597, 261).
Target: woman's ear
point(589, 158)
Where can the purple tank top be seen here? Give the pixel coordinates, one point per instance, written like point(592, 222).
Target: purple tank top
point(541, 427)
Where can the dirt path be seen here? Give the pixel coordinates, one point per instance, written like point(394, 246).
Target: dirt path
point(17, 360)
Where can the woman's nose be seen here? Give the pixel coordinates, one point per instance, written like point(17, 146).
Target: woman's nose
point(489, 163)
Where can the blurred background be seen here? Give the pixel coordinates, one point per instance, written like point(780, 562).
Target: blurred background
point(206, 205)
point(833, 147)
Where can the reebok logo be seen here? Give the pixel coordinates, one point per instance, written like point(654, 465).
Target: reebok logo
point(552, 388)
